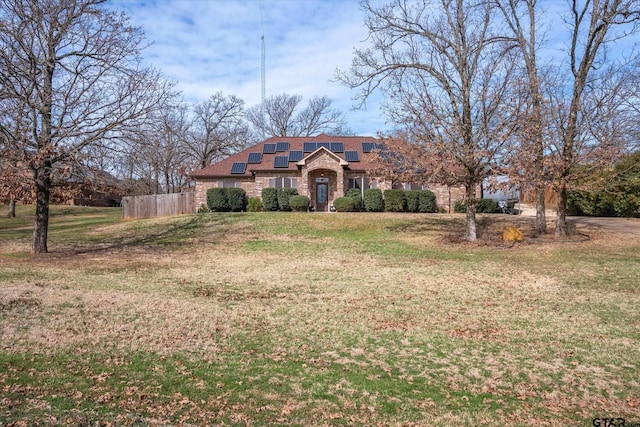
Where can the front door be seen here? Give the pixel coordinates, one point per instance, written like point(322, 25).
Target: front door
point(322, 196)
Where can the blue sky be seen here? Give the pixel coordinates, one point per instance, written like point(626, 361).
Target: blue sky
point(208, 46)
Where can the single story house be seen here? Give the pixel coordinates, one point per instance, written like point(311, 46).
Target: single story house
point(322, 167)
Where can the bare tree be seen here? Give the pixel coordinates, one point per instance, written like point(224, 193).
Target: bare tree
point(173, 158)
point(75, 65)
point(218, 129)
point(447, 80)
point(521, 19)
point(604, 128)
point(280, 115)
point(155, 160)
point(14, 173)
point(594, 24)
point(164, 149)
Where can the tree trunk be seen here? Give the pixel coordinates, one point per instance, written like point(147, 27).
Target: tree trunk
point(471, 234)
point(12, 209)
point(561, 222)
point(541, 218)
point(41, 228)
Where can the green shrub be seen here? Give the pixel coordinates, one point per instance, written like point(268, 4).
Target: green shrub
point(373, 200)
point(590, 204)
point(413, 200)
point(270, 199)
point(486, 206)
point(254, 204)
point(627, 205)
point(344, 204)
point(601, 203)
point(620, 197)
point(356, 195)
point(237, 199)
point(394, 201)
point(217, 200)
point(203, 209)
point(284, 194)
point(226, 199)
point(482, 206)
point(427, 201)
point(460, 207)
point(299, 203)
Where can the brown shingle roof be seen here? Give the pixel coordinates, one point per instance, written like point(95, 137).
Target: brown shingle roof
point(272, 157)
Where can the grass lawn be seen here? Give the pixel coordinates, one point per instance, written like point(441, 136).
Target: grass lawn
point(314, 319)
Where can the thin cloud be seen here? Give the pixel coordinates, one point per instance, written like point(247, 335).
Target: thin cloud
point(208, 46)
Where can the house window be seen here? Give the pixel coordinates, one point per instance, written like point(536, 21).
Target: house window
point(283, 182)
point(412, 186)
point(373, 184)
point(228, 183)
point(358, 182)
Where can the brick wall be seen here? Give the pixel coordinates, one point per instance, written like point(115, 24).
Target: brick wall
point(446, 197)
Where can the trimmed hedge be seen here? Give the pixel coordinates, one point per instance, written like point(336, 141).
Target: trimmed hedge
point(270, 199)
point(412, 199)
point(373, 201)
point(460, 207)
point(284, 195)
point(427, 201)
point(299, 203)
point(277, 199)
point(226, 199)
point(237, 199)
point(394, 201)
point(254, 204)
point(356, 195)
point(217, 200)
point(344, 204)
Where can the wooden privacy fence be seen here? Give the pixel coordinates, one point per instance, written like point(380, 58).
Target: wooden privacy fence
point(158, 205)
point(550, 197)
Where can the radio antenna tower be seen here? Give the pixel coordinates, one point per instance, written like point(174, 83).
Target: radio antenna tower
point(263, 58)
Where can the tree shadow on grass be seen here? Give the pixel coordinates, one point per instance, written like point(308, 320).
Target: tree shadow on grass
point(160, 237)
point(452, 228)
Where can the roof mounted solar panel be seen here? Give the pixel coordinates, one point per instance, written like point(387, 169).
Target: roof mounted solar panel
point(282, 146)
point(309, 147)
point(367, 147)
point(238, 168)
point(255, 158)
point(378, 146)
point(295, 155)
point(337, 147)
point(281, 162)
point(351, 156)
point(269, 148)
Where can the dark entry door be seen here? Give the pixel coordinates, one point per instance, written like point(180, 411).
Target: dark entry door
point(322, 196)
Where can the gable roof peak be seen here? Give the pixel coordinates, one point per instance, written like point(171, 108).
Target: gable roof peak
point(323, 151)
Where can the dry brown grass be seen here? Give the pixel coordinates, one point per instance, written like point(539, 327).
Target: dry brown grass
point(454, 334)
